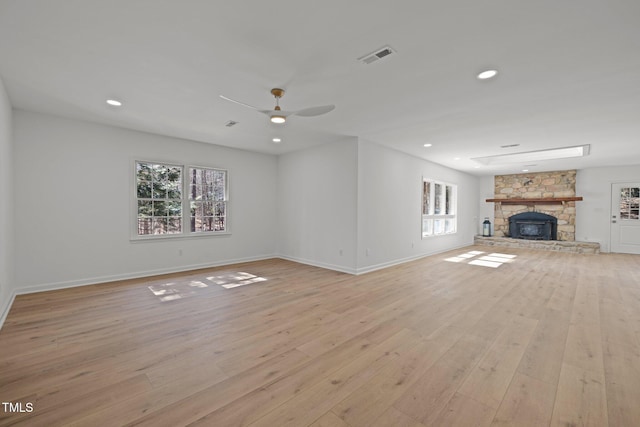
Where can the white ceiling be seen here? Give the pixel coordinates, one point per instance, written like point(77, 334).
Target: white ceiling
point(569, 72)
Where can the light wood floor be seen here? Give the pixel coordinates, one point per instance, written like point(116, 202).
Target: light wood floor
point(546, 339)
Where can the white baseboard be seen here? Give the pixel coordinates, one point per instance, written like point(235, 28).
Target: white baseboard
point(398, 261)
point(362, 270)
point(328, 266)
point(134, 275)
point(4, 310)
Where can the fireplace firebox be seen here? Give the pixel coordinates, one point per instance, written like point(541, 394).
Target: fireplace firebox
point(533, 226)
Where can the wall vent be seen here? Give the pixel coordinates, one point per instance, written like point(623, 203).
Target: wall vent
point(378, 54)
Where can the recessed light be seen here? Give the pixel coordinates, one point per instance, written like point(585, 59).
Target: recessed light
point(114, 102)
point(525, 170)
point(456, 158)
point(487, 74)
point(276, 140)
point(427, 145)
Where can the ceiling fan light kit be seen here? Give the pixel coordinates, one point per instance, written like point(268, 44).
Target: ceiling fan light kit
point(277, 115)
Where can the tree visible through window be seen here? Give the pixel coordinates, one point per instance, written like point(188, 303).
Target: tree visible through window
point(159, 198)
point(208, 196)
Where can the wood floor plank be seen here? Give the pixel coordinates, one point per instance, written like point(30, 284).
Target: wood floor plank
point(545, 339)
point(543, 357)
point(312, 403)
point(265, 399)
point(463, 411)
point(622, 375)
point(329, 420)
point(395, 418)
point(429, 395)
point(581, 399)
point(528, 402)
point(367, 404)
point(200, 403)
point(488, 381)
point(105, 397)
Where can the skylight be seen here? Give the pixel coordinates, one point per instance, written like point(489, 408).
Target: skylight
point(535, 156)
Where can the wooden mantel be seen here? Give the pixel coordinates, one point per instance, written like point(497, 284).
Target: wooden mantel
point(537, 201)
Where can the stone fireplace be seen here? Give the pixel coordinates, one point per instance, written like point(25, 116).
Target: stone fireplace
point(532, 205)
point(515, 189)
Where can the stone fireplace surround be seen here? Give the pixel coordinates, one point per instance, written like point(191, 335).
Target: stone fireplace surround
point(557, 184)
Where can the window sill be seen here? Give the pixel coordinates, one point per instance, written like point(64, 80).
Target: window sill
point(164, 237)
point(429, 236)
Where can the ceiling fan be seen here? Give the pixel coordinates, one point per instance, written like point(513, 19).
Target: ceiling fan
point(280, 116)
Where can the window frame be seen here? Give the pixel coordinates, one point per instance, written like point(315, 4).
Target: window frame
point(224, 201)
point(448, 201)
point(184, 200)
point(629, 205)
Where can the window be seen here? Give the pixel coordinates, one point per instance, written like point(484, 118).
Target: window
point(159, 190)
point(438, 208)
point(166, 200)
point(629, 203)
point(208, 196)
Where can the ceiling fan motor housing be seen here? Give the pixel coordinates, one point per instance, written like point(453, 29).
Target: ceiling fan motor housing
point(278, 93)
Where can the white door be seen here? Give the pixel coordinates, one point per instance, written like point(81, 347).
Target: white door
point(625, 218)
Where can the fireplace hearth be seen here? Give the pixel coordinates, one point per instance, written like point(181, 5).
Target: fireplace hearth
point(533, 226)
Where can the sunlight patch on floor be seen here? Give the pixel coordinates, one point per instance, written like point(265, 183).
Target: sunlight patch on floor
point(172, 290)
point(176, 290)
point(485, 263)
point(233, 280)
point(493, 260)
point(240, 279)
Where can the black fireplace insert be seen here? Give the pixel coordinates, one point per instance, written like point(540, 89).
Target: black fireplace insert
point(533, 226)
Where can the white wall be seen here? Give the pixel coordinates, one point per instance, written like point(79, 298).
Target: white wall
point(6, 204)
point(73, 194)
point(389, 207)
point(593, 214)
point(317, 199)
point(323, 206)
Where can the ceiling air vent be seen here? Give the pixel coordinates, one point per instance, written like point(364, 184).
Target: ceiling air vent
point(378, 54)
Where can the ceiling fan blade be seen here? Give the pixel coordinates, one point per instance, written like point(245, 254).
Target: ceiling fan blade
point(314, 111)
point(238, 102)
